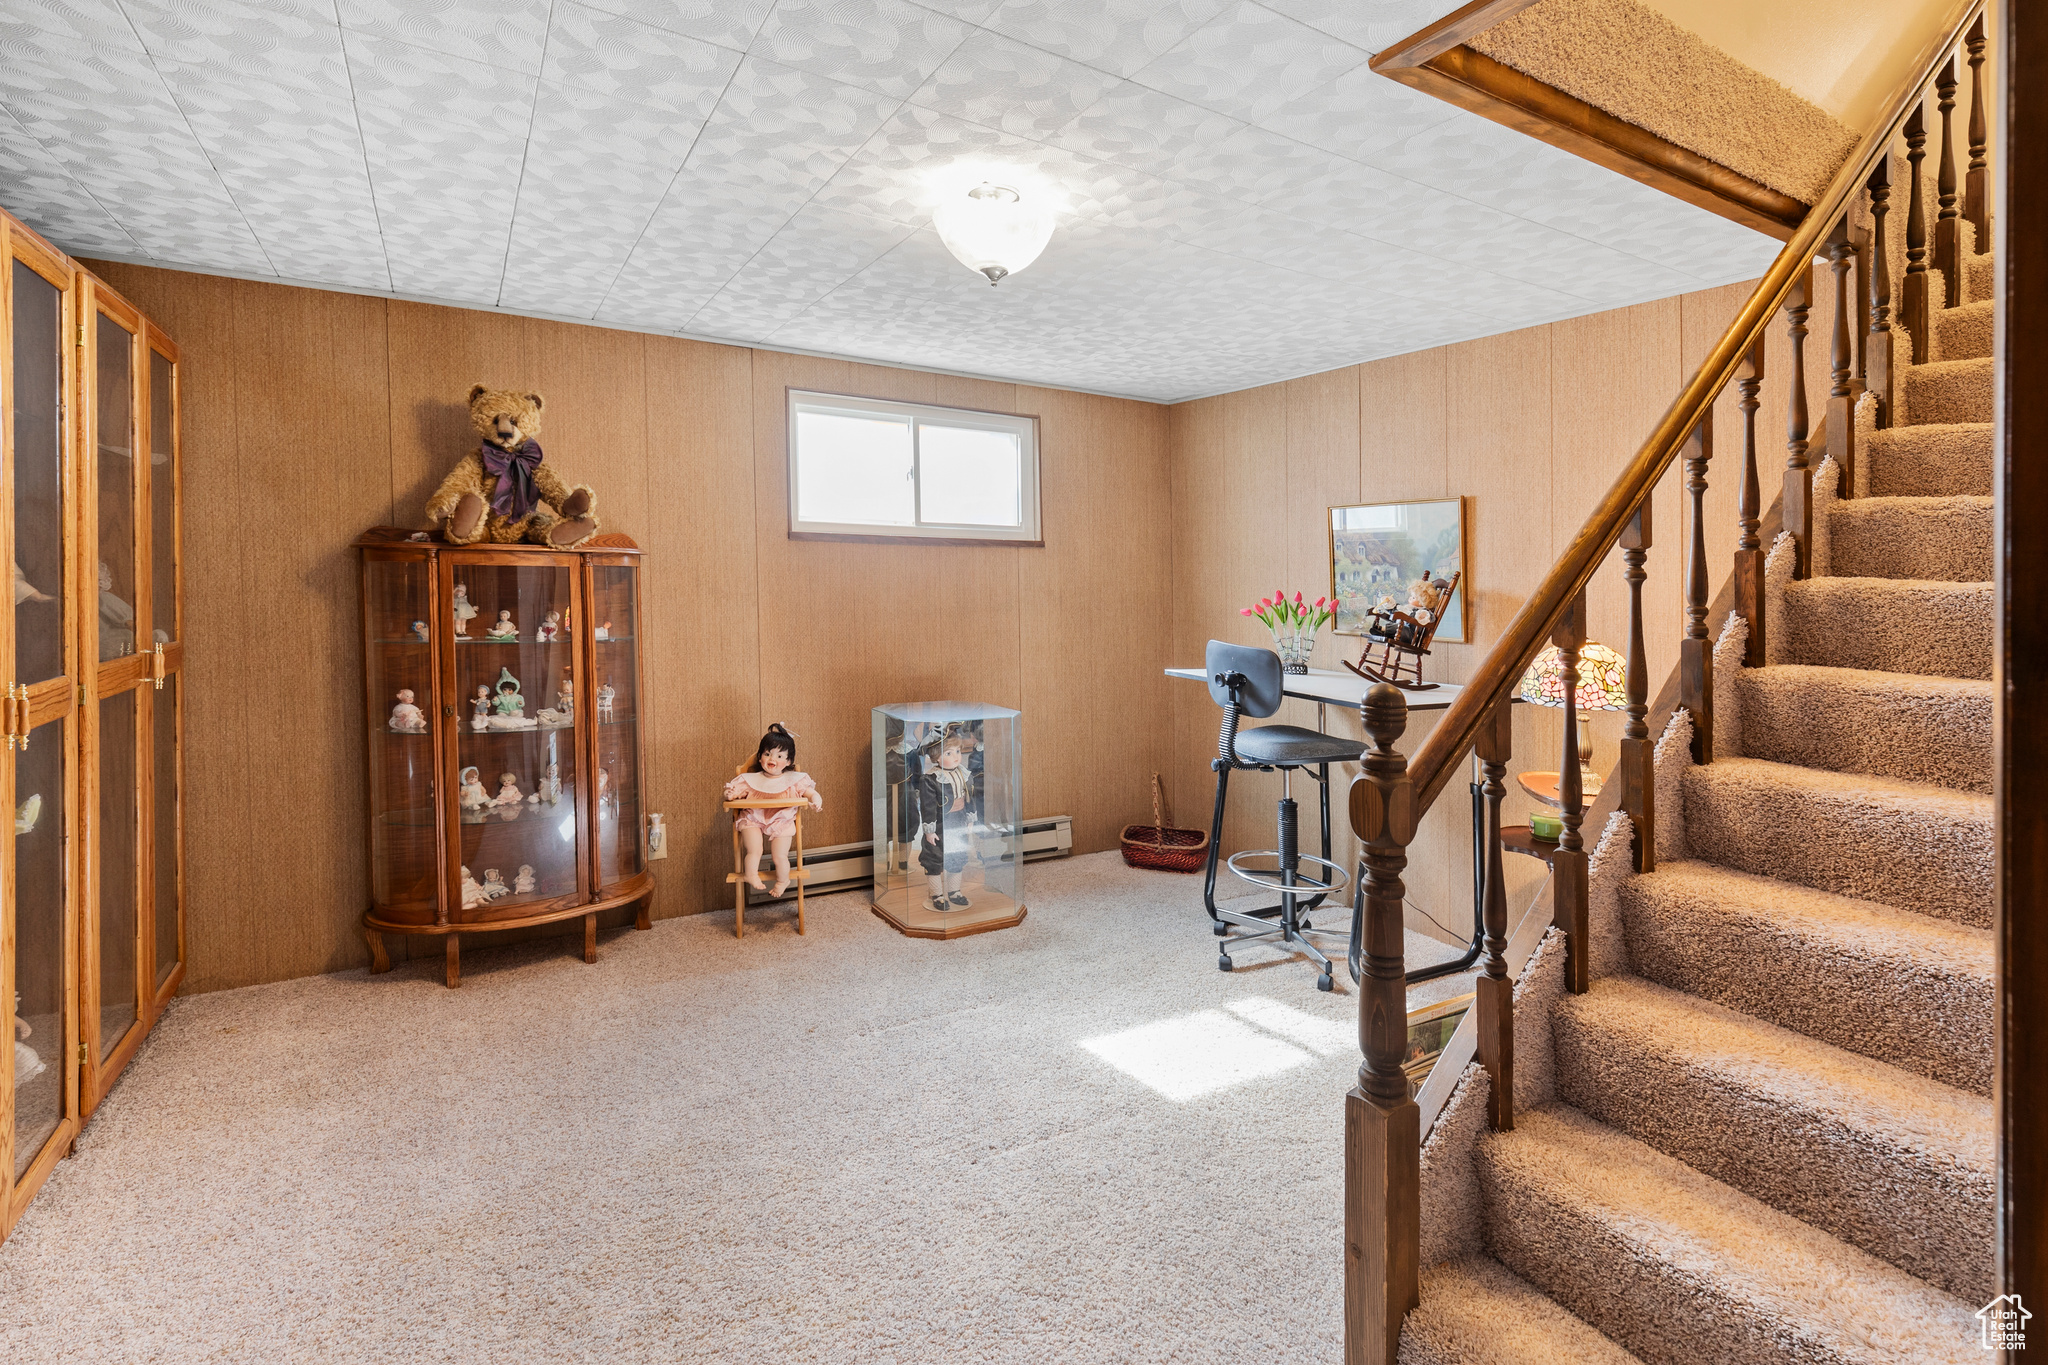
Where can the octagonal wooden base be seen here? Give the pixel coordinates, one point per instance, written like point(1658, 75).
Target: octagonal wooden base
point(990, 911)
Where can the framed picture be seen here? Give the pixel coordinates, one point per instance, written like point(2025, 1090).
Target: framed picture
point(1378, 548)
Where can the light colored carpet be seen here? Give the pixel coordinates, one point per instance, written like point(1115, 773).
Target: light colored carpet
point(1943, 538)
point(1475, 1312)
point(1074, 1140)
point(1850, 720)
point(1929, 461)
point(1632, 62)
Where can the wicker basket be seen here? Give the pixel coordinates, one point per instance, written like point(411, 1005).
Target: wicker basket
point(1161, 847)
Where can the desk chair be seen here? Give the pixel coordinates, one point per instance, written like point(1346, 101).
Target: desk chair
point(796, 859)
point(1247, 682)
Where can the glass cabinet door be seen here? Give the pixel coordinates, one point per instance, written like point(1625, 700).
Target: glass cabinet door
point(38, 395)
point(166, 859)
point(405, 722)
point(43, 1039)
point(512, 677)
point(615, 674)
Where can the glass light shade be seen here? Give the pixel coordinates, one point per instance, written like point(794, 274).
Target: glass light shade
point(991, 228)
point(1602, 686)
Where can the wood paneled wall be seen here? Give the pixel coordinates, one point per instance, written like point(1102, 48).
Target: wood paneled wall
point(310, 416)
point(1531, 428)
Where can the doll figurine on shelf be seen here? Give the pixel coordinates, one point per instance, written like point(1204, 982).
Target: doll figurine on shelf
point(565, 694)
point(948, 806)
point(494, 884)
point(419, 631)
point(406, 717)
point(508, 790)
point(472, 796)
point(504, 628)
point(117, 619)
point(525, 883)
point(508, 708)
point(604, 632)
point(549, 630)
point(464, 612)
point(550, 788)
point(604, 701)
point(771, 775)
point(472, 891)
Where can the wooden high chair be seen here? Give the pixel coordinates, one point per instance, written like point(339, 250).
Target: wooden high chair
point(796, 859)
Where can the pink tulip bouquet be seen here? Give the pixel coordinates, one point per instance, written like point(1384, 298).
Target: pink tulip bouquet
point(1294, 622)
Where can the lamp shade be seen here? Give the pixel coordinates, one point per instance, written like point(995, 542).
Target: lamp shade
point(993, 229)
point(1603, 679)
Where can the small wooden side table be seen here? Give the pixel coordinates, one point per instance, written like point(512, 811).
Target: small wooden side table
point(796, 864)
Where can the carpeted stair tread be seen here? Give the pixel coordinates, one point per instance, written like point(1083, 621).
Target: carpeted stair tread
point(1946, 539)
point(1892, 625)
point(1963, 332)
point(1910, 845)
point(1932, 460)
point(1948, 391)
point(1906, 989)
point(1680, 1268)
point(1894, 1163)
point(1980, 275)
point(1853, 720)
point(1477, 1312)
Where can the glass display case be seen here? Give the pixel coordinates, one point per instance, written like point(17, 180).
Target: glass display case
point(503, 688)
point(949, 818)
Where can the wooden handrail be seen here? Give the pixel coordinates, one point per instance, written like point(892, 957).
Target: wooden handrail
point(1497, 674)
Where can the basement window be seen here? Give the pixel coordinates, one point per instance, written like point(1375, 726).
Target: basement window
point(870, 469)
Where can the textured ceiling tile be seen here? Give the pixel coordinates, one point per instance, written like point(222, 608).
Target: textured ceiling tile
point(429, 87)
point(45, 196)
point(572, 122)
point(806, 260)
point(1249, 61)
point(967, 11)
point(885, 45)
point(1253, 164)
point(273, 41)
point(624, 59)
point(785, 131)
point(458, 256)
point(98, 22)
point(1357, 114)
point(509, 34)
point(1000, 83)
point(1369, 24)
point(1118, 36)
point(729, 23)
point(1139, 127)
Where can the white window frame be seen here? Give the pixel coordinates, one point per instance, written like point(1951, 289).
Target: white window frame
point(1024, 428)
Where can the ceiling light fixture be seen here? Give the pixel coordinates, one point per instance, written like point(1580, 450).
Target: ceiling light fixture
point(992, 229)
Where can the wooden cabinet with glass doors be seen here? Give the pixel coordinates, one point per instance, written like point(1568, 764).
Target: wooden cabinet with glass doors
point(503, 685)
point(91, 922)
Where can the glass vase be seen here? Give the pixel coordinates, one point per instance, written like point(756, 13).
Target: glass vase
point(1294, 650)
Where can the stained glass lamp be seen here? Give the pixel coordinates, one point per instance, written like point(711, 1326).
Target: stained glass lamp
point(1602, 686)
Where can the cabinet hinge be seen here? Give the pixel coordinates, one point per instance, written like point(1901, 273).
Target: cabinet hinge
point(81, 1054)
point(81, 334)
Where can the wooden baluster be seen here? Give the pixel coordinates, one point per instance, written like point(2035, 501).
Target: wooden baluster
point(1948, 225)
point(1568, 886)
point(1798, 505)
point(1749, 554)
point(1638, 777)
point(1977, 183)
point(1495, 990)
point(1877, 346)
point(1859, 286)
point(1913, 301)
point(1844, 389)
point(1695, 651)
point(1382, 1126)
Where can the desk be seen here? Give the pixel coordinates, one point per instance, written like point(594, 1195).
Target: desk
point(1325, 686)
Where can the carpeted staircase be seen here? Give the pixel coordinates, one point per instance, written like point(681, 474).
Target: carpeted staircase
point(1773, 1142)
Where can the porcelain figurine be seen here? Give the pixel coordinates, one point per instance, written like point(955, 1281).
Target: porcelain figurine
point(657, 836)
point(508, 790)
point(565, 694)
point(406, 717)
point(117, 619)
point(27, 1065)
point(604, 701)
point(509, 707)
point(524, 884)
point(553, 720)
point(550, 788)
point(604, 632)
point(503, 628)
point(419, 630)
point(27, 813)
point(472, 795)
point(464, 613)
point(482, 704)
point(551, 629)
point(605, 799)
point(472, 891)
point(494, 884)
point(25, 591)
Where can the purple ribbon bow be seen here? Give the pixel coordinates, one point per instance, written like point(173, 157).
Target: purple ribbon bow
point(515, 495)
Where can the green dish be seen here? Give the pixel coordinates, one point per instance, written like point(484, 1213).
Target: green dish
point(1545, 824)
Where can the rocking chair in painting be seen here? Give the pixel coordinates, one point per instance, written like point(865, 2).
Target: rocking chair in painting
point(1396, 642)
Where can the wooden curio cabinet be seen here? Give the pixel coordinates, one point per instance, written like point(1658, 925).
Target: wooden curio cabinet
point(92, 941)
point(505, 777)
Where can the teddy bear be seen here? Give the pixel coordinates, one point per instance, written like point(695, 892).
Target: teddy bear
point(501, 491)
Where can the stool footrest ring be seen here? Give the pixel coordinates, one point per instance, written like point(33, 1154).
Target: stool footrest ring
point(1272, 878)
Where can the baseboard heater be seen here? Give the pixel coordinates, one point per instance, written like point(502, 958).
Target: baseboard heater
point(841, 867)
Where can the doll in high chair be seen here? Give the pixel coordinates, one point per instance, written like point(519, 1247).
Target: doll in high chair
point(772, 773)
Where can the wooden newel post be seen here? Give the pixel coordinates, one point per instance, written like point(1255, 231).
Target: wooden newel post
point(1495, 990)
point(1636, 767)
point(1569, 909)
point(1382, 1126)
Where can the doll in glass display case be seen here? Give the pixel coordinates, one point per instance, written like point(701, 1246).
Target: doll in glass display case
point(550, 788)
point(406, 717)
point(504, 628)
point(509, 793)
point(525, 883)
point(480, 704)
point(464, 612)
point(948, 807)
point(472, 891)
point(508, 707)
point(549, 630)
point(772, 774)
point(117, 619)
point(471, 794)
